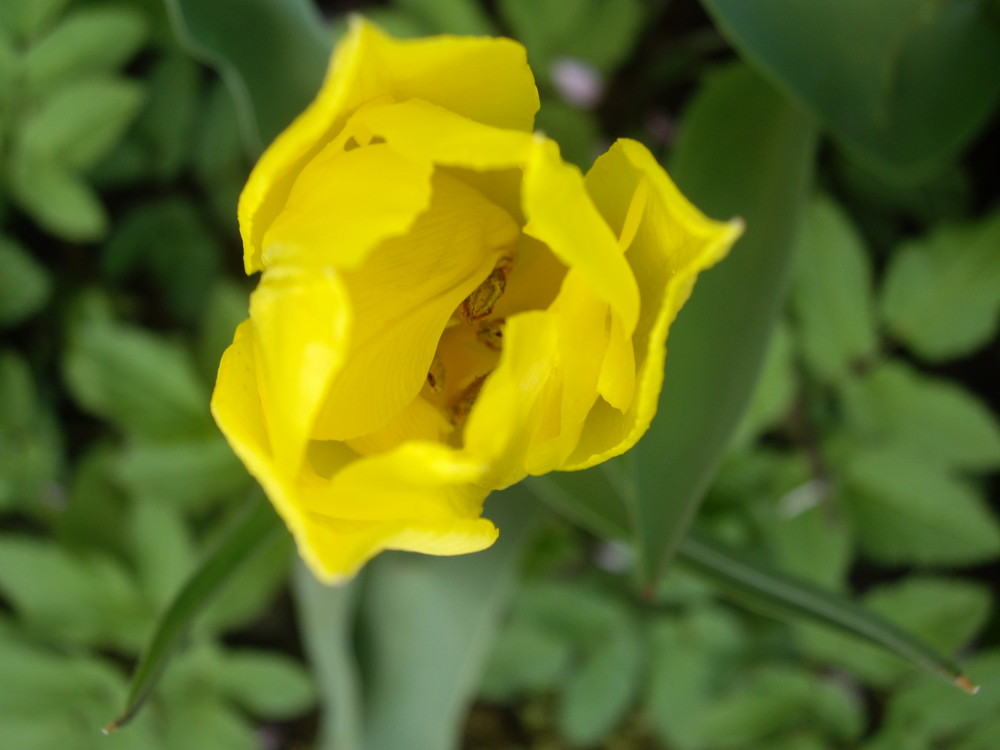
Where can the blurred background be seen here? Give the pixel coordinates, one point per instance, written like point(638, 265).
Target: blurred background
point(860, 143)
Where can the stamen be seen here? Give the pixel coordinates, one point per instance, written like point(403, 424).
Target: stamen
point(479, 304)
point(490, 334)
point(461, 409)
point(435, 376)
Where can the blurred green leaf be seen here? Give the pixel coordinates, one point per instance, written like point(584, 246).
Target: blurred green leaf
point(941, 295)
point(225, 309)
point(772, 398)
point(599, 32)
point(811, 542)
point(525, 659)
point(602, 688)
point(220, 161)
point(242, 39)
point(25, 285)
point(88, 40)
point(952, 713)
point(80, 599)
point(28, 19)
point(759, 171)
point(169, 238)
point(145, 384)
point(575, 130)
point(936, 419)
point(832, 293)
point(244, 538)
point(326, 618)
point(436, 619)
point(268, 685)
point(788, 598)
point(60, 201)
point(161, 548)
point(944, 612)
point(906, 83)
point(30, 443)
point(77, 124)
point(907, 510)
point(209, 469)
point(450, 16)
point(686, 660)
point(165, 125)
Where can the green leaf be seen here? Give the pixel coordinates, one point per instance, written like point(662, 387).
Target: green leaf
point(165, 125)
point(599, 32)
point(941, 295)
point(929, 710)
point(465, 17)
point(80, 599)
point(776, 389)
point(58, 200)
point(141, 382)
point(905, 83)
point(525, 659)
point(813, 542)
point(25, 285)
point(602, 688)
point(272, 686)
point(575, 130)
point(944, 612)
point(242, 39)
point(28, 19)
point(326, 622)
point(773, 700)
point(788, 598)
point(170, 239)
point(935, 419)
point(687, 653)
point(245, 538)
point(759, 171)
point(86, 41)
point(907, 510)
point(225, 309)
point(435, 619)
point(832, 293)
point(220, 161)
point(79, 123)
point(209, 469)
point(30, 442)
point(162, 549)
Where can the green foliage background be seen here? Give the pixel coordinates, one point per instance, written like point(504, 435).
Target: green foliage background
point(859, 141)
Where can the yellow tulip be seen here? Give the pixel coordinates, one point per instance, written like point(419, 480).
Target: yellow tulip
point(445, 306)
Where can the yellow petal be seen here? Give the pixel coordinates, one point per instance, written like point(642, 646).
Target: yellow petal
point(300, 320)
point(487, 80)
point(237, 408)
point(421, 497)
point(421, 130)
point(402, 298)
point(520, 401)
point(344, 203)
point(673, 242)
point(562, 215)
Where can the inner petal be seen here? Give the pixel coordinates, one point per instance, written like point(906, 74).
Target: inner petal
point(402, 297)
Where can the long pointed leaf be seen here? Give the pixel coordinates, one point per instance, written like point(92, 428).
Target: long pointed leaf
point(431, 625)
point(326, 620)
point(788, 598)
point(744, 150)
point(270, 53)
point(246, 537)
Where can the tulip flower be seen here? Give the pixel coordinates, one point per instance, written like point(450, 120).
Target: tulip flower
point(445, 306)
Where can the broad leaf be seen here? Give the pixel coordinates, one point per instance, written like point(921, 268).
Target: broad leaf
point(906, 83)
point(941, 295)
point(759, 171)
point(270, 53)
